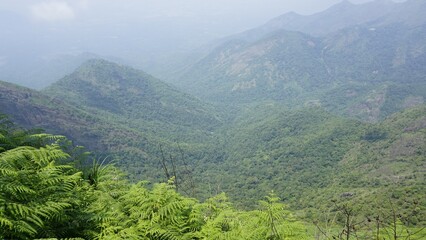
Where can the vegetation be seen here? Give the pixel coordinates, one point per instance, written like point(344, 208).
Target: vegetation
point(307, 155)
point(310, 137)
point(365, 71)
point(47, 193)
point(42, 196)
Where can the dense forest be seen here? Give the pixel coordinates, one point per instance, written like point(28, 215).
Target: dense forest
point(163, 170)
point(47, 192)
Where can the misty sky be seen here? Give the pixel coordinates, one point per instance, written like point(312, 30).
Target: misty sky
point(145, 31)
point(240, 14)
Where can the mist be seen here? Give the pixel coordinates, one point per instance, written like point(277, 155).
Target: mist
point(146, 34)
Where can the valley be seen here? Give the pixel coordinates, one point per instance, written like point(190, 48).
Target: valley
point(323, 119)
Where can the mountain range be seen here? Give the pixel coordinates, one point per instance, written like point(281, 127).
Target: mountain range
point(312, 110)
point(360, 63)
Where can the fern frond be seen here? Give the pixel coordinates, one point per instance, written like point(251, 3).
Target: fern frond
point(41, 139)
point(20, 210)
point(34, 190)
point(5, 223)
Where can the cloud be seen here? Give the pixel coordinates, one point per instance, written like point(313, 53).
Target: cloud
point(52, 11)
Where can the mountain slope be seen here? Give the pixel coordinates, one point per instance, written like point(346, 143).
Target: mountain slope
point(307, 156)
point(32, 109)
point(337, 17)
point(340, 16)
point(104, 86)
point(298, 69)
point(118, 112)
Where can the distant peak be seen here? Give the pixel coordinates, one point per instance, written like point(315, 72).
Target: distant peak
point(96, 61)
point(287, 16)
point(378, 2)
point(344, 4)
point(292, 13)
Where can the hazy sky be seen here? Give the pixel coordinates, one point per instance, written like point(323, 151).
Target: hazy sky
point(148, 34)
point(132, 28)
point(219, 17)
point(250, 11)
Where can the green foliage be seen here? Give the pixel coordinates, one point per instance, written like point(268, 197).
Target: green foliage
point(41, 197)
point(307, 155)
point(162, 213)
point(271, 221)
point(34, 190)
point(383, 221)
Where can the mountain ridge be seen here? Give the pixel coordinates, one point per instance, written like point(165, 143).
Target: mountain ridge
point(115, 88)
point(371, 56)
point(300, 153)
point(131, 138)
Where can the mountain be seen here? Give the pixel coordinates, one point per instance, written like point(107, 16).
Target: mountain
point(39, 71)
point(119, 112)
point(340, 16)
point(362, 66)
point(265, 66)
point(337, 17)
point(409, 13)
point(308, 155)
point(32, 109)
point(337, 116)
point(107, 87)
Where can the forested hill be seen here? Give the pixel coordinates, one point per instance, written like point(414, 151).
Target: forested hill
point(335, 172)
point(99, 85)
point(45, 193)
point(119, 113)
point(365, 70)
point(305, 155)
point(308, 156)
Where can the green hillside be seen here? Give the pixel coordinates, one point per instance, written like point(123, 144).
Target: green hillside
point(46, 194)
point(107, 87)
point(310, 157)
point(314, 160)
point(155, 132)
point(116, 111)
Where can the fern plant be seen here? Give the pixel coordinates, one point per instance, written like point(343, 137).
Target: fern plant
point(276, 222)
point(271, 221)
point(139, 213)
point(34, 190)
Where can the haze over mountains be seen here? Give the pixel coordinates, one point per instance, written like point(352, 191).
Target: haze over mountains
point(313, 107)
point(38, 33)
point(159, 43)
point(369, 58)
